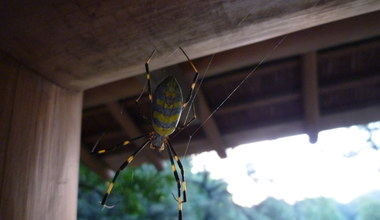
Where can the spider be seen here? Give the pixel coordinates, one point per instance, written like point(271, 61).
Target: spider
point(167, 104)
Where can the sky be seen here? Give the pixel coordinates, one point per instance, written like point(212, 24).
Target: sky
point(341, 165)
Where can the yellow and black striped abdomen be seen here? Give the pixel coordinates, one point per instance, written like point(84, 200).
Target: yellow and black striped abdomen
point(166, 106)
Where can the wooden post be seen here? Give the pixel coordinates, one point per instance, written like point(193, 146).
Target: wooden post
point(39, 145)
point(310, 95)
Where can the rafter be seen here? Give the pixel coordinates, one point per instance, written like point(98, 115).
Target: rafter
point(257, 103)
point(111, 92)
point(95, 164)
point(304, 41)
point(291, 97)
point(131, 130)
point(210, 127)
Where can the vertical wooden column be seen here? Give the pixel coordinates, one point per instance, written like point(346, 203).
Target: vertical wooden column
point(310, 95)
point(39, 146)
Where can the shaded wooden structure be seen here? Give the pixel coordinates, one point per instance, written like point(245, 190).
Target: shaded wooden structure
point(40, 133)
point(324, 73)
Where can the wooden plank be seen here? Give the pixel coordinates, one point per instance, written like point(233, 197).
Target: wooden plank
point(291, 97)
point(111, 92)
point(92, 44)
point(336, 10)
point(310, 95)
point(258, 103)
point(304, 41)
point(366, 26)
point(7, 90)
point(124, 120)
point(239, 37)
point(40, 156)
point(341, 119)
point(365, 81)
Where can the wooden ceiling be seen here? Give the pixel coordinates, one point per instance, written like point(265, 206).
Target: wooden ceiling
point(82, 44)
point(320, 66)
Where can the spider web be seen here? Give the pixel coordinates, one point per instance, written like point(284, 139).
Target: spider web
point(236, 88)
point(230, 94)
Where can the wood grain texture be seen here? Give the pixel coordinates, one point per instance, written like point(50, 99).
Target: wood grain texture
point(83, 44)
point(313, 39)
point(40, 134)
point(300, 42)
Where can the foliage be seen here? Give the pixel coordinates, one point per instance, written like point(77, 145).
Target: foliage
point(368, 207)
point(139, 193)
point(145, 193)
point(276, 209)
point(319, 209)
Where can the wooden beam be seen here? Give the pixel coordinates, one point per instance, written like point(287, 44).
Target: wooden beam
point(124, 120)
point(39, 153)
point(257, 103)
point(210, 127)
point(235, 37)
point(276, 131)
point(85, 51)
point(351, 84)
point(291, 97)
point(93, 138)
point(304, 41)
point(366, 26)
point(310, 95)
point(352, 49)
point(330, 121)
point(132, 130)
point(112, 92)
point(336, 120)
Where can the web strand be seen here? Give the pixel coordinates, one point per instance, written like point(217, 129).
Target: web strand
point(266, 56)
point(240, 84)
point(195, 95)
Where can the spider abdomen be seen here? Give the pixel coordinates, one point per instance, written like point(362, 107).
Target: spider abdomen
point(166, 106)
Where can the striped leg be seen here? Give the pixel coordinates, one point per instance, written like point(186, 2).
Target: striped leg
point(182, 172)
point(137, 101)
point(148, 76)
point(187, 122)
point(108, 149)
point(179, 199)
point(149, 85)
point(194, 80)
point(123, 166)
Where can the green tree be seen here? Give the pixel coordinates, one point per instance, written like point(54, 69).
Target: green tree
point(140, 193)
point(276, 209)
point(144, 193)
point(318, 209)
point(209, 199)
point(369, 208)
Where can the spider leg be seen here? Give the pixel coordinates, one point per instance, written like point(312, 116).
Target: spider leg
point(137, 102)
point(176, 176)
point(188, 122)
point(123, 166)
point(150, 96)
point(148, 74)
point(182, 171)
point(108, 149)
point(194, 80)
